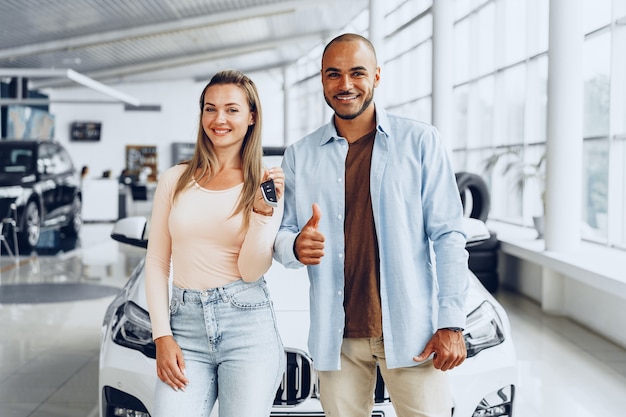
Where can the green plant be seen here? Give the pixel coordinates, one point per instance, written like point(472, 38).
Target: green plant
point(521, 170)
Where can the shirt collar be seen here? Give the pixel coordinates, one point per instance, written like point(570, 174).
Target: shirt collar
point(330, 131)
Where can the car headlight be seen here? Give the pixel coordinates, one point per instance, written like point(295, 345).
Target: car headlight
point(10, 192)
point(132, 329)
point(483, 329)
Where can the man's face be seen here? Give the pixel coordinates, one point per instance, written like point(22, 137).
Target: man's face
point(349, 76)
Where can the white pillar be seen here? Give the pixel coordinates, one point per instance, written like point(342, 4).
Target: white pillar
point(286, 113)
point(377, 37)
point(443, 58)
point(564, 142)
point(565, 131)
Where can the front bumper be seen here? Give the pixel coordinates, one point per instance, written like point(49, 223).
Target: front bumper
point(484, 382)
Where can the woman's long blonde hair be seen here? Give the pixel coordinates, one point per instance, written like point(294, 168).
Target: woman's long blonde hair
point(204, 156)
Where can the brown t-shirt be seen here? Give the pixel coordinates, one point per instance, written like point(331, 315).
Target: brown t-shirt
point(361, 264)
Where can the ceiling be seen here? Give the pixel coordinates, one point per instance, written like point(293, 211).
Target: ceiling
point(152, 40)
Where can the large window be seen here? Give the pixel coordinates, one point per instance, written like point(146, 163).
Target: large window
point(500, 70)
point(617, 142)
point(501, 108)
point(596, 74)
point(500, 102)
point(407, 69)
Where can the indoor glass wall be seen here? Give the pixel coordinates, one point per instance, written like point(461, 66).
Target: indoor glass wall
point(500, 81)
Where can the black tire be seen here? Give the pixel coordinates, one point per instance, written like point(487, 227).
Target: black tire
point(479, 193)
point(76, 218)
point(489, 280)
point(486, 261)
point(30, 227)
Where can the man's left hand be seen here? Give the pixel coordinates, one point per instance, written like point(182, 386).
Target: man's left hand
point(448, 347)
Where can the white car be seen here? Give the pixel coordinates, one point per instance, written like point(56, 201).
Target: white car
point(483, 386)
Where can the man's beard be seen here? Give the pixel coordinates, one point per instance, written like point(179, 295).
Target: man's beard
point(366, 104)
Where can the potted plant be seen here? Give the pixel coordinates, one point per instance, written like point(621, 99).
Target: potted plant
point(522, 172)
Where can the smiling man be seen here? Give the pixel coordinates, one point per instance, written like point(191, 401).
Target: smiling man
point(349, 91)
point(366, 196)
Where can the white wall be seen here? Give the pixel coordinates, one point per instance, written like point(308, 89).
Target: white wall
point(598, 310)
point(525, 277)
point(176, 122)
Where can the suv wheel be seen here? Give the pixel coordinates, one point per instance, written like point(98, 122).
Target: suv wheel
point(31, 226)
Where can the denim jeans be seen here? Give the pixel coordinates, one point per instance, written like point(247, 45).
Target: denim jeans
point(232, 350)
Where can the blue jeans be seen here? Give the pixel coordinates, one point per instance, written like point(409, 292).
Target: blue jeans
point(232, 350)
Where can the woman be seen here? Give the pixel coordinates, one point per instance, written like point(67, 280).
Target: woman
point(217, 338)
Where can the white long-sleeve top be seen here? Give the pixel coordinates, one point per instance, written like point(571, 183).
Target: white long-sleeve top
point(202, 242)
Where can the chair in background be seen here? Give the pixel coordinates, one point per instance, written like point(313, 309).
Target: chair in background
point(12, 223)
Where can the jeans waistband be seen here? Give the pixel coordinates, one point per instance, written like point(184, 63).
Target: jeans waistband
point(211, 294)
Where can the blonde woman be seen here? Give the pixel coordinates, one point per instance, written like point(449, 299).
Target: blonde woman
point(217, 338)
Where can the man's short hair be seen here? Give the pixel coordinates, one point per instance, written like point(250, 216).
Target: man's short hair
point(351, 37)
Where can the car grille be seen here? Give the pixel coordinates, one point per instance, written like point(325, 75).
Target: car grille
point(380, 392)
point(298, 380)
point(279, 414)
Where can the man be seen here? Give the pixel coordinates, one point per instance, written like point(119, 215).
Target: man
point(366, 196)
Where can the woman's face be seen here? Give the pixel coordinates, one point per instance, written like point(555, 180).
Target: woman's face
point(226, 115)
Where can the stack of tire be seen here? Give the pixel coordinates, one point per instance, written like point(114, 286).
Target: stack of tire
point(483, 256)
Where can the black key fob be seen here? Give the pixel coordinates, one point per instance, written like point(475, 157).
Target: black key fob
point(269, 193)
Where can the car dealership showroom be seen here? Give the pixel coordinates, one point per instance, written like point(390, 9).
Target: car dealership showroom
point(99, 98)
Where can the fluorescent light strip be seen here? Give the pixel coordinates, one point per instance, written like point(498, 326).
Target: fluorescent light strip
point(98, 86)
point(72, 75)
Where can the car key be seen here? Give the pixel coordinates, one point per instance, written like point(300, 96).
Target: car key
point(269, 193)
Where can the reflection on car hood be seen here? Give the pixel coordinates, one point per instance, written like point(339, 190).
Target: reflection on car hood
point(136, 289)
point(477, 294)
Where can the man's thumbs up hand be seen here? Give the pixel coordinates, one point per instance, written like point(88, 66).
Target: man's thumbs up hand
point(309, 246)
point(314, 221)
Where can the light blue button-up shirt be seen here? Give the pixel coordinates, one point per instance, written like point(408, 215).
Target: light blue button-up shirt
point(418, 218)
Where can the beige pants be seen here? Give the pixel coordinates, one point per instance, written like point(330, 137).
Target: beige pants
point(418, 391)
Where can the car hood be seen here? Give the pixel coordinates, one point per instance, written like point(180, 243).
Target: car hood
point(289, 292)
point(289, 289)
point(478, 294)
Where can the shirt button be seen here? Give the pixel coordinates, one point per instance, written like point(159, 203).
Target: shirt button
point(339, 216)
point(339, 292)
point(341, 255)
point(339, 179)
point(340, 330)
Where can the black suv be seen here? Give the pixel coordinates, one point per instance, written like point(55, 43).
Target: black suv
point(39, 188)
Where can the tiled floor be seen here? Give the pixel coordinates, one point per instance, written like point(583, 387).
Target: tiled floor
point(49, 350)
point(564, 370)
